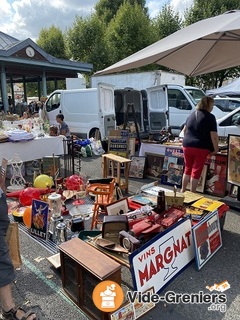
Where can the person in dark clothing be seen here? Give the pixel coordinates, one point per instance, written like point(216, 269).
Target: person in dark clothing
point(200, 139)
point(7, 274)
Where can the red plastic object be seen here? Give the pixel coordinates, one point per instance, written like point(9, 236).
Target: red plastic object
point(145, 227)
point(133, 205)
point(27, 195)
point(16, 194)
point(74, 182)
point(78, 202)
point(64, 211)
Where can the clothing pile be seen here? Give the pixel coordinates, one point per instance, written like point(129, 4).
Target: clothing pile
point(84, 147)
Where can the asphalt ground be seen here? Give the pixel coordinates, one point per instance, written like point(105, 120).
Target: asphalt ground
point(38, 283)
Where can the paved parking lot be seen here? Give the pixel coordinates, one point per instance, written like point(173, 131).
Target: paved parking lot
point(38, 284)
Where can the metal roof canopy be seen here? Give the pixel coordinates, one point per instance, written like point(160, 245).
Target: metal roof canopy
point(25, 61)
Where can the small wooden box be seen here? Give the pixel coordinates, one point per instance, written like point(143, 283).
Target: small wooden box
point(174, 198)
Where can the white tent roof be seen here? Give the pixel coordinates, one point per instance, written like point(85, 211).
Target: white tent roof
point(232, 88)
point(205, 46)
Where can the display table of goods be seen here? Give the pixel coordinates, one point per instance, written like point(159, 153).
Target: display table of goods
point(52, 214)
point(29, 139)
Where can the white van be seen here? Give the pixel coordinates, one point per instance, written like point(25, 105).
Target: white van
point(84, 110)
point(170, 105)
point(129, 106)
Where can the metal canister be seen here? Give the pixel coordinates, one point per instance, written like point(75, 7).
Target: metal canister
point(161, 204)
point(61, 232)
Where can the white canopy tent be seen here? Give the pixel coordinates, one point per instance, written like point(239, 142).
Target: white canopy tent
point(205, 46)
point(231, 89)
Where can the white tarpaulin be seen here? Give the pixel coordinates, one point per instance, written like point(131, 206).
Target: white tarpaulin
point(231, 89)
point(205, 46)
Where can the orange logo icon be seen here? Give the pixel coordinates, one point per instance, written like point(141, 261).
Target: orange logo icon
point(108, 296)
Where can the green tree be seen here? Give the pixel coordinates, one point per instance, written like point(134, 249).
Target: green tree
point(52, 41)
point(106, 10)
point(85, 41)
point(167, 22)
point(129, 31)
point(202, 9)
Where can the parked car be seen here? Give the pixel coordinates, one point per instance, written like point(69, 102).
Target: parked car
point(229, 124)
point(227, 104)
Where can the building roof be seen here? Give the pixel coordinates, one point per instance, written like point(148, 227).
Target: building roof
point(18, 62)
point(6, 41)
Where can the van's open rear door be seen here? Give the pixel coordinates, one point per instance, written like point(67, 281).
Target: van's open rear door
point(107, 110)
point(157, 108)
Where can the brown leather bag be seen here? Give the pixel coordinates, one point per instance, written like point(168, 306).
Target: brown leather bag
point(12, 238)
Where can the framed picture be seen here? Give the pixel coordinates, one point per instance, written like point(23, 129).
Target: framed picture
point(202, 180)
point(137, 167)
point(233, 191)
point(135, 310)
point(216, 178)
point(173, 167)
point(233, 161)
point(125, 312)
point(140, 308)
point(207, 238)
point(39, 219)
point(153, 166)
point(118, 207)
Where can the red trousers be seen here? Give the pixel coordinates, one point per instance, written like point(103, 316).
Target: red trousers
point(194, 159)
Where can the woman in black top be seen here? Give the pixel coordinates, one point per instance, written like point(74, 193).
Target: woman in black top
point(200, 139)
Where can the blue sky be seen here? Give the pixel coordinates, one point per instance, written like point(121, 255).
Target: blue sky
point(25, 18)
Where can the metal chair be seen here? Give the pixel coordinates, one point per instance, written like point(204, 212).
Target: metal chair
point(104, 195)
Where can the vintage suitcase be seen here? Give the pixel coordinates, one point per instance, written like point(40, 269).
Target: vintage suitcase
point(145, 227)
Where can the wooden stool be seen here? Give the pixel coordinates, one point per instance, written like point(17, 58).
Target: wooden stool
point(111, 161)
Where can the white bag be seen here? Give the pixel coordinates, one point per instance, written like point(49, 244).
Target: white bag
point(97, 148)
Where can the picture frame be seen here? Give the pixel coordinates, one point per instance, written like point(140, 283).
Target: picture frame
point(173, 164)
point(202, 180)
point(125, 312)
point(216, 178)
point(141, 308)
point(153, 165)
point(135, 310)
point(118, 207)
point(39, 219)
point(137, 167)
point(207, 238)
point(233, 160)
point(233, 191)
